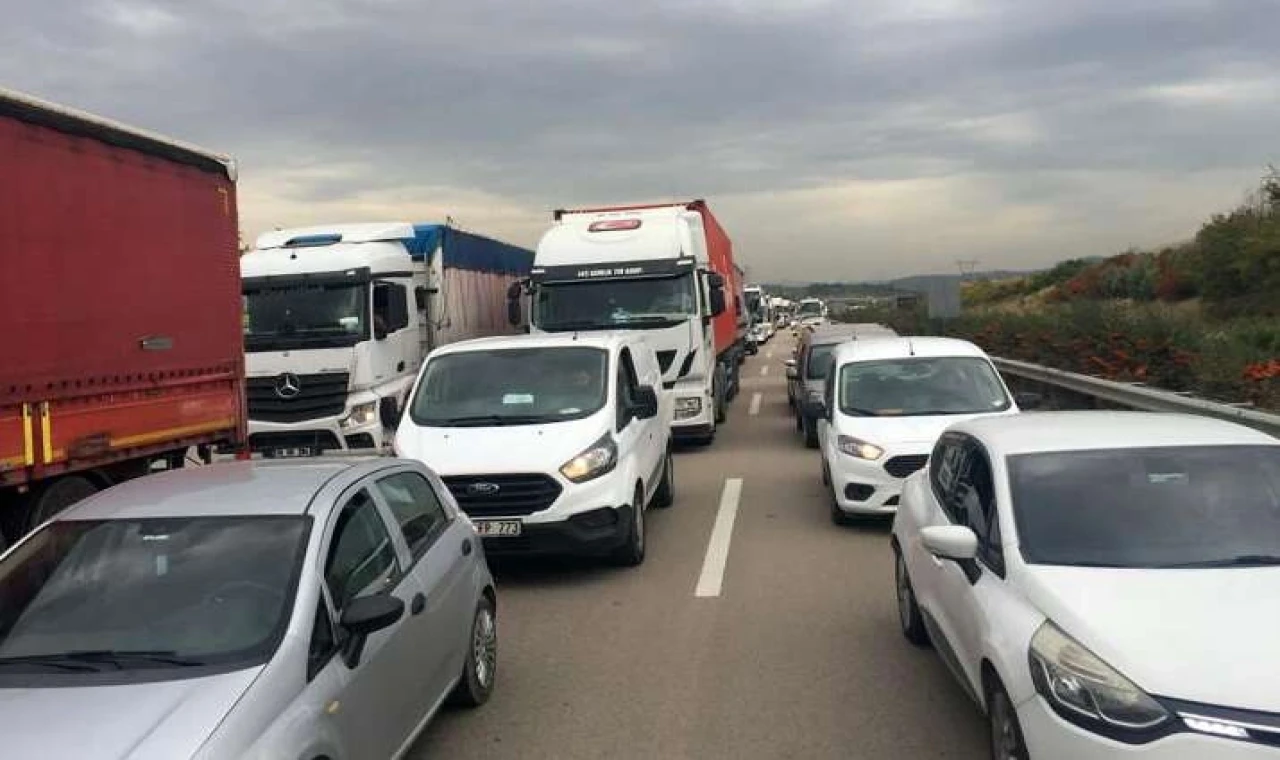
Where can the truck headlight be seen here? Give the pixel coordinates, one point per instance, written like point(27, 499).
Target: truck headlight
point(687, 407)
point(597, 459)
point(858, 448)
point(1085, 690)
point(360, 415)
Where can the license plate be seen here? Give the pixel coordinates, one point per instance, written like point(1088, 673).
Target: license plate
point(498, 528)
point(294, 452)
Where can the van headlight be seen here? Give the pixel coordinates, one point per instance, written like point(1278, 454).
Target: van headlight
point(360, 415)
point(858, 448)
point(688, 407)
point(1087, 691)
point(597, 459)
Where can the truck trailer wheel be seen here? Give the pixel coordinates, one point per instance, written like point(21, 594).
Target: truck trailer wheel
point(56, 496)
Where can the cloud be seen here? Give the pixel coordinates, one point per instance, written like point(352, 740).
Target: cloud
point(904, 134)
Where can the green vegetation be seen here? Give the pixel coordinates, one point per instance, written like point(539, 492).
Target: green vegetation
point(1201, 316)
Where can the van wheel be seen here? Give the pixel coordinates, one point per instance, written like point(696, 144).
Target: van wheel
point(631, 553)
point(665, 496)
point(810, 429)
point(58, 496)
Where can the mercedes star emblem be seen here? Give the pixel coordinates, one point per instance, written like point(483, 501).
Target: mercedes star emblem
point(288, 385)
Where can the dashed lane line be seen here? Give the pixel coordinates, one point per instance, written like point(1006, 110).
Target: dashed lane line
point(718, 546)
point(755, 404)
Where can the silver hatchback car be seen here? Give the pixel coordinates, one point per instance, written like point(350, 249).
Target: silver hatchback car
point(293, 611)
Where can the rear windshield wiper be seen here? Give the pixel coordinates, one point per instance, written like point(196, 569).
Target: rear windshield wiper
point(93, 659)
point(1240, 560)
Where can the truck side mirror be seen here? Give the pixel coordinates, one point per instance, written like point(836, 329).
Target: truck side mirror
point(389, 413)
point(514, 291)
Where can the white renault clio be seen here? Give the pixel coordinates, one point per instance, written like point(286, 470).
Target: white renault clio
point(888, 398)
point(551, 444)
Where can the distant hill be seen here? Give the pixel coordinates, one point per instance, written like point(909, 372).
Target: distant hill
point(915, 283)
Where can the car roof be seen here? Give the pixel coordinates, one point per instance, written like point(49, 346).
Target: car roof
point(1031, 432)
point(877, 346)
point(606, 339)
point(230, 489)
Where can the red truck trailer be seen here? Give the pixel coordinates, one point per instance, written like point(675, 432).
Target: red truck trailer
point(121, 303)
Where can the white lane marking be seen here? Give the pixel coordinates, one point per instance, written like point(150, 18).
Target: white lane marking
point(764, 370)
point(755, 404)
point(768, 355)
point(718, 546)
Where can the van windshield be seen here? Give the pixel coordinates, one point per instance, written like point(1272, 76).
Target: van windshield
point(610, 304)
point(923, 386)
point(511, 386)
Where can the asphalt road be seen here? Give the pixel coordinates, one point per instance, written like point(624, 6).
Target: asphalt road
point(794, 652)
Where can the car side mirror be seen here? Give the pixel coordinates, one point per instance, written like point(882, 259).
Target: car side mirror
point(645, 405)
point(953, 542)
point(365, 615)
point(1028, 400)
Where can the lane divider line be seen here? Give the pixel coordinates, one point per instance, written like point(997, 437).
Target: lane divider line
point(764, 370)
point(755, 404)
point(713, 565)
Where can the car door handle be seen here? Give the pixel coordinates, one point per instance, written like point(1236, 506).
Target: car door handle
point(418, 604)
point(466, 547)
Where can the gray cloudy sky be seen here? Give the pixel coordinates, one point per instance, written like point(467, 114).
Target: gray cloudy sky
point(860, 139)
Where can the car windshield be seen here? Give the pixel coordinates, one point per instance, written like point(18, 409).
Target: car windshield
point(1196, 506)
point(130, 594)
point(809, 309)
point(921, 386)
point(604, 304)
point(304, 315)
point(512, 386)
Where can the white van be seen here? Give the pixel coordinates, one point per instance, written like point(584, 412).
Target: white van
point(887, 400)
point(551, 444)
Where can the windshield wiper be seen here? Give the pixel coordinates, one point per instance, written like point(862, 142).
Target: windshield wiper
point(580, 324)
point(92, 659)
point(1240, 560)
point(492, 420)
point(854, 411)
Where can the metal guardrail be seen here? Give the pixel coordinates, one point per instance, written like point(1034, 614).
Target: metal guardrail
point(1140, 397)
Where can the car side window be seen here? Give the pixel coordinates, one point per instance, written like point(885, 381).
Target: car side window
point(324, 641)
point(417, 509)
point(626, 388)
point(944, 467)
point(976, 491)
point(362, 558)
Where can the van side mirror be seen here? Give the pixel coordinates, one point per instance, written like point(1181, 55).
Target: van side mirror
point(793, 370)
point(645, 405)
point(389, 413)
point(514, 313)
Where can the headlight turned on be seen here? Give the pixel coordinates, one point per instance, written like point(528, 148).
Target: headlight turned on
point(597, 459)
point(858, 448)
point(1088, 692)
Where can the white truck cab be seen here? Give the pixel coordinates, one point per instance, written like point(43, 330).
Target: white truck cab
point(337, 321)
point(551, 444)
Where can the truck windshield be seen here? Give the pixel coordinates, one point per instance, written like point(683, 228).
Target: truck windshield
point(511, 386)
point(608, 304)
point(305, 315)
point(810, 309)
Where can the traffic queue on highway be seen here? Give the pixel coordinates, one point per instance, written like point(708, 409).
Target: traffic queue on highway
point(1099, 582)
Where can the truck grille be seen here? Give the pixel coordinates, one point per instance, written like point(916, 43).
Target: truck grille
point(901, 467)
point(307, 397)
point(319, 440)
point(502, 495)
